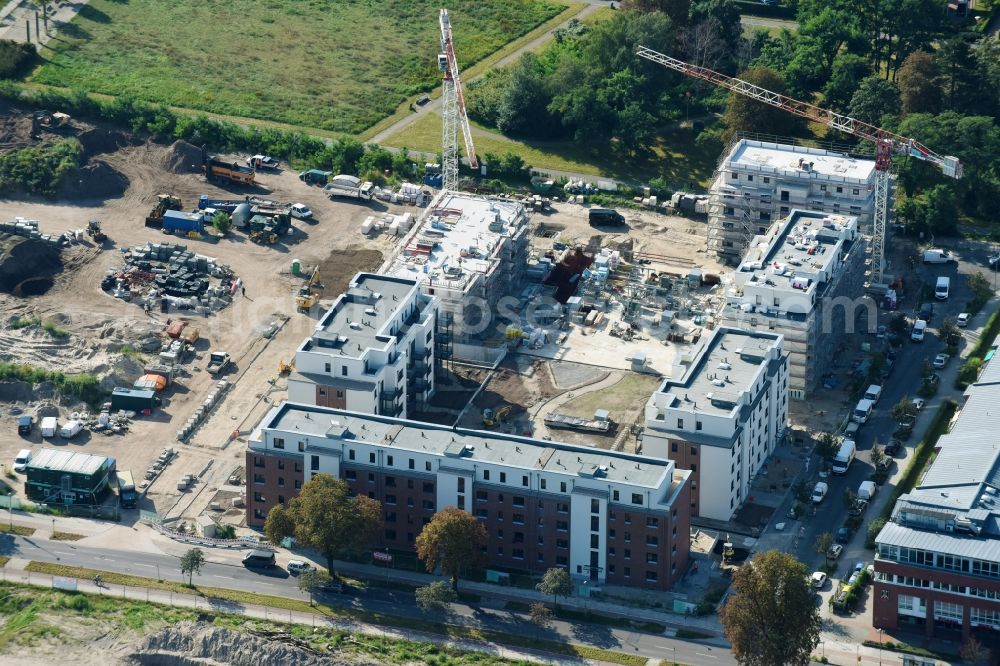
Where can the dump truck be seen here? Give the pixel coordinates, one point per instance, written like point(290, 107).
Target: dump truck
point(225, 205)
point(127, 496)
point(315, 176)
point(178, 221)
point(217, 362)
point(349, 186)
point(262, 162)
point(234, 172)
point(164, 202)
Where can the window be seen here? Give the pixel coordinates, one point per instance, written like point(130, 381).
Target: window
point(278, 443)
point(500, 551)
point(673, 447)
point(302, 447)
point(628, 519)
point(486, 475)
point(500, 516)
point(258, 497)
point(390, 516)
point(856, 191)
point(343, 370)
point(481, 513)
point(350, 454)
point(258, 478)
point(611, 569)
point(518, 518)
point(482, 496)
point(541, 484)
point(614, 496)
point(541, 540)
point(562, 486)
point(611, 534)
point(628, 537)
point(749, 178)
point(314, 463)
point(371, 477)
point(281, 499)
point(628, 553)
point(461, 484)
point(562, 507)
point(389, 461)
point(561, 560)
point(680, 423)
point(840, 190)
point(517, 501)
point(562, 544)
point(697, 425)
point(412, 463)
point(390, 500)
point(427, 466)
point(593, 541)
point(626, 571)
point(258, 462)
point(694, 450)
point(390, 535)
point(595, 524)
point(409, 484)
point(340, 393)
point(428, 486)
point(694, 468)
point(562, 526)
point(595, 506)
point(503, 477)
point(652, 522)
point(767, 179)
point(822, 188)
point(428, 505)
point(298, 484)
point(734, 175)
point(518, 537)
point(371, 457)
point(650, 576)
point(281, 482)
point(651, 558)
point(944, 610)
point(636, 498)
point(517, 553)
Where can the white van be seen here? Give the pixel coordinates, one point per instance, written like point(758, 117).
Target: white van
point(70, 429)
point(919, 328)
point(819, 492)
point(862, 411)
point(866, 490)
point(942, 288)
point(936, 256)
point(873, 393)
point(50, 425)
point(22, 460)
point(845, 456)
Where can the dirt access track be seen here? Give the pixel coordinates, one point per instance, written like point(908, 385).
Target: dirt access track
point(99, 324)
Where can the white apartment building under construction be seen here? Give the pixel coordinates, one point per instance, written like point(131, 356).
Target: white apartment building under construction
point(372, 351)
point(721, 415)
point(468, 252)
point(758, 182)
point(804, 279)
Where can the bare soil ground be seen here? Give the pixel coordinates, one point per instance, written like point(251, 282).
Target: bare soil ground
point(100, 325)
point(519, 383)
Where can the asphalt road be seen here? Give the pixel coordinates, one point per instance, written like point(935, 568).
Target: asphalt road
point(278, 582)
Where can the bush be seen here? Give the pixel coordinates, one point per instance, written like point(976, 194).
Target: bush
point(38, 170)
point(15, 58)
point(83, 386)
point(968, 373)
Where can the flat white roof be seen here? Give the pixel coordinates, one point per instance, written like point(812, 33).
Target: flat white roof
point(781, 157)
point(457, 239)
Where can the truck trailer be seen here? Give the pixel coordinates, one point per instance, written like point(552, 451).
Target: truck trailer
point(175, 220)
point(234, 172)
point(349, 186)
point(225, 205)
point(133, 400)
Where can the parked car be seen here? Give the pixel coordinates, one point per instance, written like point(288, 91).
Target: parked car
point(818, 579)
point(301, 212)
point(262, 559)
point(941, 360)
point(25, 423)
point(834, 552)
point(918, 403)
point(893, 447)
point(819, 492)
point(963, 319)
point(296, 567)
point(843, 535)
point(22, 460)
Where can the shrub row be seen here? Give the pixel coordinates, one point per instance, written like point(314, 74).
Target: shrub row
point(38, 170)
point(84, 386)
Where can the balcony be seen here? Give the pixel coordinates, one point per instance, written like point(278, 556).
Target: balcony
point(391, 409)
point(420, 385)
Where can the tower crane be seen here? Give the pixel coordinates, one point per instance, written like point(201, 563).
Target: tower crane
point(886, 143)
point(453, 110)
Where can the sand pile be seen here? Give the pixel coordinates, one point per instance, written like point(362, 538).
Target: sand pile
point(97, 180)
point(182, 157)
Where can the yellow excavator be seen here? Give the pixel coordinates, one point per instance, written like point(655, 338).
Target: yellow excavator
point(307, 298)
point(491, 417)
point(285, 368)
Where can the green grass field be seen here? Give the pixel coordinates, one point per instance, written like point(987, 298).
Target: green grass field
point(675, 155)
point(332, 65)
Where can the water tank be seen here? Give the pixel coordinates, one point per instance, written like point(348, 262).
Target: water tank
point(241, 214)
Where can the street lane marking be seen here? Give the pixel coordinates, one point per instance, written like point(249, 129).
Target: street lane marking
point(702, 654)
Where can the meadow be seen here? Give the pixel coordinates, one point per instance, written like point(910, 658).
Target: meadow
point(334, 65)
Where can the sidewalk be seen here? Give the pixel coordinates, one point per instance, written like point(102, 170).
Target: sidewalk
point(14, 572)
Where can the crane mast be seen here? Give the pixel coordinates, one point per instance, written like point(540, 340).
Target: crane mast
point(887, 144)
point(453, 110)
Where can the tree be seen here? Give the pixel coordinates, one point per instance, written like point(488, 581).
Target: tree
point(960, 80)
point(850, 497)
point(326, 517)
point(279, 524)
point(823, 542)
point(312, 581)
point(191, 562)
point(541, 615)
point(974, 652)
point(874, 98)
point(744, 114)
point(222, 222)
point(677, 10)
point(919, 90)
point(525, 99)
point(904, 408)
point(556, 582)
point(827, 446)
point(454, 540)
point(724, 15)
point(898, 324)
point(969, 372)
point(434, 598)
point(980, 289)
point(847, 70)
point(877, 457)
point(770, 619)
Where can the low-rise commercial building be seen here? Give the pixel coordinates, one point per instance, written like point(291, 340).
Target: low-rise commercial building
point(721, 416)
point(372, 351)
point(607, 517)
point(937, 563)
point(67, 477)
point(758, 182)
point(803, 279)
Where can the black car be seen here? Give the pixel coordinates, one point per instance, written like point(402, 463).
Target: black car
point(843, 535)
point(893, 447)
point(599, 216)
point(259, 559)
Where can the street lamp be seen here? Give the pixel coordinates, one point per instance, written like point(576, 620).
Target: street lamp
point(10, 508)
point(880, 647)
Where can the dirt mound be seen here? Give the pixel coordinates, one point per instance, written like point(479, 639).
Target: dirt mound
point(188, 644)
point(123, 371)
point(97, 180)
point(28, 268)
point(15, 391)
point(98, 140)
point(183, 157)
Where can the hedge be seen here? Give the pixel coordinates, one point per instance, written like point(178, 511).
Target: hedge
point(776, 11)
